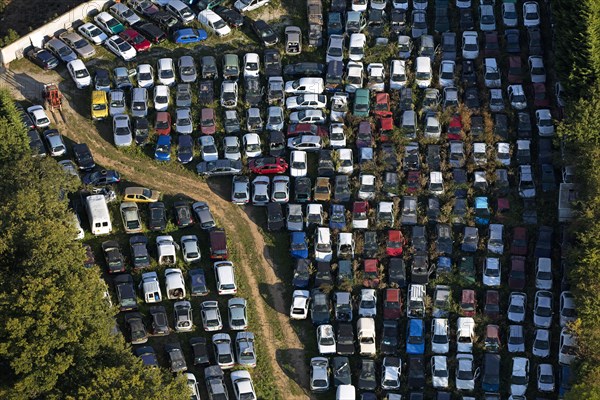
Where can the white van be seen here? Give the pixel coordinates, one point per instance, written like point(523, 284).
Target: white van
point(225, 277)
point(174, 283)
point(345, 392)
point(423, 72)
point(365, 330)
point(305, 85)
point(214, 22)
point(98, 214)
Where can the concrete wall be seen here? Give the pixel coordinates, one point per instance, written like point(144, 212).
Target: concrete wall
point(37, 37)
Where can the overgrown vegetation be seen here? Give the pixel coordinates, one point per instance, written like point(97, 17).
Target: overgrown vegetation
point(55, 323)
point(577, 27)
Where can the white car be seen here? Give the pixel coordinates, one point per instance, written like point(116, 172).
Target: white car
point(492, 78)
point(367, 306)
point(190, 249)
point(122, 135)
point(314, 214)
point(295, 218)
point(161, 98)
point(337, 137)
point(192, 382)
point(251, 144)
point(516, 97)
point(470, 45)
point(541, 343)
point(260, 190)
point(92, 33)
point(249, 5)
point(339, 106)
point(251, 65)
point(319, 374)
point(275, 118)
point(366, 187)
point(326, 339)
point(79, 73)
point(229, 94)
point(517, 305)
point(496, 241)
point(306, 101)
point(240, 190)
point(305, 86)
point(440, 342)
point(531, 14)
point(398, 78)
point(439, 372)
point(356, 50)
point(359, 5)
point(543, 273)
point(280, 189)
point(447, 73)
point(519, 378)
point(308, 117)
point(376, 77)
point(305, 143)
point(335, 48)
point(465, 372)
point(465, 334)
point(509, 14)
point(400, 4)
point(300, 304)
point(354, 76)
point(213, 21)
point(241, 381)
point(208, 149)
point(345, 161)
point(568, 312)
point(391, 369)
point(39, 117)
point(491, 272)
point(120, 48)
point(537, 70)
point(542, 309)
point(487, 19)
point(298, 163)
point(254, 121)
point(231, 148)
point(323, 248)
point(516, 339)
point(545, 378)
point(165, 71)
point(145, 75)
point(543, 122)
point(567, 347)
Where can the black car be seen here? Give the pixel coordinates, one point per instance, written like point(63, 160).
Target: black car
point(345, 339)
point(136, 328)
point(277, 144)
point(158, 216)
point(42, 58)
point(183, 214)
point(275, 220)
point(471, 99)
point(370, 246)
point(302, 189)
point(341, 371)
point(391, 184)
point(323, 275)
point(206, 91)
point(433, 210)
point(160, 323)
point(148, 356)
point(512, 41)
point(102, 79)
point(544, 151)
point(367, 379)
point(198, 282)
point(253, 91)
point(326, 167)
point(477, 127)
point(524, 127)
point(534, 41)
point(25, 117)
point(232, 17)
point(376, 22)
point(466, 20)
point(200, 348)
point(166, 22)
point(501, 126)
point(419, 238)
point(265, 33)
point(388, 157)
point(398, 22)
point(272, 62)
point(543, 246)
point(83, 156)
point(397, 272)
point(468, 75)
point(460, 181)
point(35, 143)
point(303, 69)
point(341, 189)
point(115, 262)
point(389, 337)
point(141, 129)
point(151, 32)
point(416, 372)
point(138, 246)
point(126, 292)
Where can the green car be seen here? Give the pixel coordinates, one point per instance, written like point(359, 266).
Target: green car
point(361, 103)
point(466, 270)
point(231, 66)
point(108, 23)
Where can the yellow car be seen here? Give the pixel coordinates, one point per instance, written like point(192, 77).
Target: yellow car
point(99, 104)
point(141, 195)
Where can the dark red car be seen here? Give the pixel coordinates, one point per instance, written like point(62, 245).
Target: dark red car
point(492, 304)
point(392, 304)
point(515, 70)
point(364, 137)
point(207, 121)
point(382, 105)
point(134, 38)
point(540, 95)
point(371, 274)
point(491, 47)
point(516, 276)
point(413, 181)
point(306, 129)
point(502, 208)
point(518, 245)
point(395, 243)
point(455, 127)
point(268, 165)
point(162, 124)
point(468, 303)
point(386, 128)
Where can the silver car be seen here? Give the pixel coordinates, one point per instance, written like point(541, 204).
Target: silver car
point(78, 43)
point(244, 349)
point(60, 50)
point(139, 102)
point(240, 190)
point(238, 320)
point(187, 69)
point(117, 102)
point(183, 121)
point(183, 95)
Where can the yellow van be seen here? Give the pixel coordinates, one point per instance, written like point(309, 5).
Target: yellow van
point(99, 104)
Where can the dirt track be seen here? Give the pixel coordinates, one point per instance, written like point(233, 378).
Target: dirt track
point(27, 85)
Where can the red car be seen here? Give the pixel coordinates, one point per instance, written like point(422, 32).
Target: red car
point(386, 129)
point(502, 208)
point(134, 38)
point(306, 129)
point(516, 276)
point(382, 105)
point(492, 304)
point(268, 165)
point(515, 70)
point(392, 304)
point(371, 274)
point(395, 243)
point(518, 246)
point(491, 47)
point(207, 121)
point(163, 123)
point(455, 127)
point(413, 181)
point(540, 95)
point(468, 303)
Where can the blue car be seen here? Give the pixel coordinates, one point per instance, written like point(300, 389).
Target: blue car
point(301, 273)
point(564, 380)
point(338, 217)
point(163, 148)
point(185, 149)
point(482, 211)
point(298, 246)
point(102, 178)
point(189, 35)
point(415, 337)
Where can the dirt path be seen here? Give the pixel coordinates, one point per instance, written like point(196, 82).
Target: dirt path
point(148, 173)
